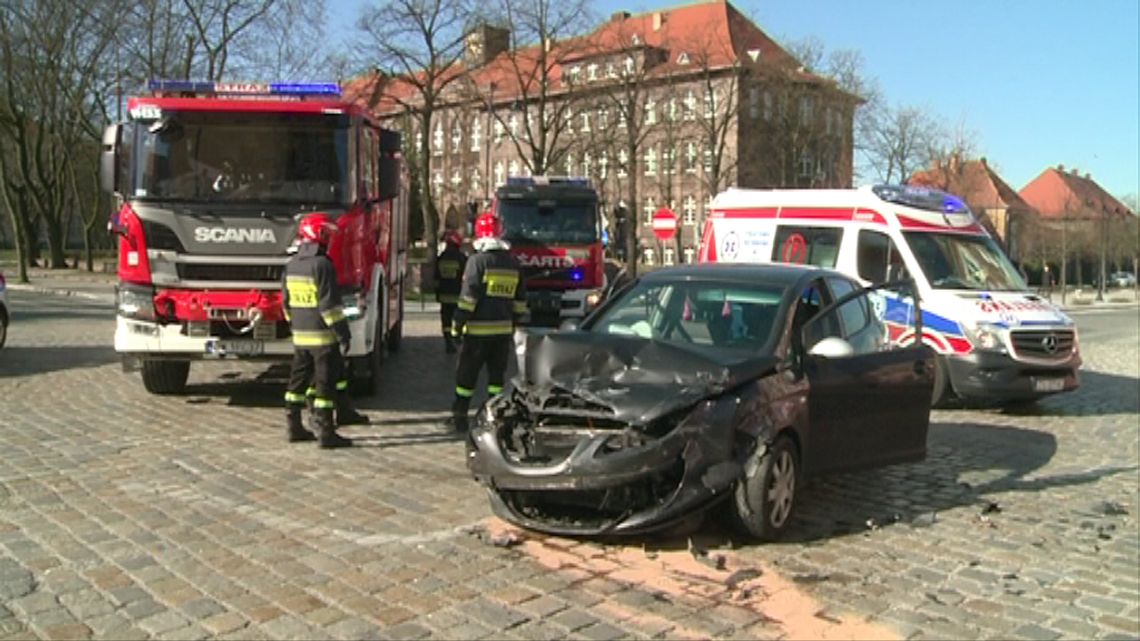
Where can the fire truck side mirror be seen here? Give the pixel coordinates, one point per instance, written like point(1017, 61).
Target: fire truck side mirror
point(108, 160)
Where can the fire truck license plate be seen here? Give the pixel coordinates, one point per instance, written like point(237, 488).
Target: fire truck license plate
point(239, 348)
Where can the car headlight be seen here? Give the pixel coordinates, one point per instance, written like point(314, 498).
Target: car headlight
point(135, 302)
point(593, 298)
point(985, 336)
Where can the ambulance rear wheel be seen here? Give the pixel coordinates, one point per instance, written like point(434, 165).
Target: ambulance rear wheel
point(165, 377)
point(941, 393)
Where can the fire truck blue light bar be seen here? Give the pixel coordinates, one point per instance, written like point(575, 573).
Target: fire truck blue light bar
point(247, 88)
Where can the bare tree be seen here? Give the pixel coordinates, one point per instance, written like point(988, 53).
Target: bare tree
point(421, 43)
point(899, 142)
point(217, 26)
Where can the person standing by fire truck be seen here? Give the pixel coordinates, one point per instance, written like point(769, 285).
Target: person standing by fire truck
point(448, 282)
point(491, 300)
point(320, 333)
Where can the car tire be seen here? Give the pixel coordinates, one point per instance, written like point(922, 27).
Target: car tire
point(941, 393)
point(165, 377)
point(764, 499)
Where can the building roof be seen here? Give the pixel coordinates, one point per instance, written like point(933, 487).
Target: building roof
point(1057, 193)
point(700, 36)
point(974, 181)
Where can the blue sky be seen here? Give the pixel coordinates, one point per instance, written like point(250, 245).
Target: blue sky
point(1039, 82)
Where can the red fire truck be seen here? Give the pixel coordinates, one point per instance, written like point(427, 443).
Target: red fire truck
point(212, 179)
point(555, 231)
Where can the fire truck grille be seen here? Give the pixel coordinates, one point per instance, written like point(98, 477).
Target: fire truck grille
point(1043, 344)
point(244, 273)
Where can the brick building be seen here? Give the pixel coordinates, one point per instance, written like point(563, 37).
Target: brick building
point(660, 109)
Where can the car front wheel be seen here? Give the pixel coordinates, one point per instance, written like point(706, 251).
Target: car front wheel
point(765, 497)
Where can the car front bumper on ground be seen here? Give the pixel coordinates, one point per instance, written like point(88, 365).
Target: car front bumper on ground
point(994, 376)
point(594, 486)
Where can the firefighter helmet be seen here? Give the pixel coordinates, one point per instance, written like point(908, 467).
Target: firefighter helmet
point(488, 226)
point(452, 237)
point(316, 228)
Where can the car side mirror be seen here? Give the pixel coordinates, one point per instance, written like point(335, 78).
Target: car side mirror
point(832, 347)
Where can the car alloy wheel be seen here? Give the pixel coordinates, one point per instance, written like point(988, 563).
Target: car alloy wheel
point(765, 497)
point(781, 489)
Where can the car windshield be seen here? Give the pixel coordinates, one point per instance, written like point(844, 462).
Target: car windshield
point(698, 313)
point(531, 221)
point(959, 261)
point(237, 157)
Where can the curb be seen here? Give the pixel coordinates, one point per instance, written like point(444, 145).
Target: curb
point(37, 289)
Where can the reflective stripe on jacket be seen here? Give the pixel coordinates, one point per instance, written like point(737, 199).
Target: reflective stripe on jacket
point(312, 303)
point(493, 296)
point(449, 274)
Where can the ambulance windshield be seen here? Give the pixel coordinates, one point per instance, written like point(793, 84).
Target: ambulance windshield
point(961, 261)
point(241, 158)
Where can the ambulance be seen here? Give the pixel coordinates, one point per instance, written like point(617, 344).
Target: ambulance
point(996, 340)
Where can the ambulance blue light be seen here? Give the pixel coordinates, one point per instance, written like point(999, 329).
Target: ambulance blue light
point(921, 198)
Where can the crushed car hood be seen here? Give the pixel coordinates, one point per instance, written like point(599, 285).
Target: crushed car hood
point(628, 379)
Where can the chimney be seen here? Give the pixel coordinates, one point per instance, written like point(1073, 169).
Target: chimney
point(484, 43)
point(658, 20)
point(984, 164)
point(1061, 168)
point(618, 16)
point(1075, 171)
point(1088, 176)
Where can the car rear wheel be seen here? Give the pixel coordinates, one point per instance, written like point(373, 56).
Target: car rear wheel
point(165, 377)
point(765, 498)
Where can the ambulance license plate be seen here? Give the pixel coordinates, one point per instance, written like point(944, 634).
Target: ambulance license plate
point(239, 348)
point(1048, 384)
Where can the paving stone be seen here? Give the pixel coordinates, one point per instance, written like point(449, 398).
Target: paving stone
point(163, 622)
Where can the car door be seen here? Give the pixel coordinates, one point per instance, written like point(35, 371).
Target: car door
point(868, 402)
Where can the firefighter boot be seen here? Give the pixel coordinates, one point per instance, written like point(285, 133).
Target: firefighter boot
point(449, 343)
point(459, 414)
point(297, 432)
point(329, 439)
point(346, 413)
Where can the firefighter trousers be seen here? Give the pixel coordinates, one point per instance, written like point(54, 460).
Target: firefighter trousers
point(477, 352)
point(320, 367)
point(446, 313)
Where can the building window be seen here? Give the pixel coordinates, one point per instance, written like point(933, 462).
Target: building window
point(500, 131)
point(568, 121)
point(437, 140)
point(768, 108)
point(650, 111)
point(690, 157)
point(456, 134)
point(621, 118)
point(569, 164)
point(575, 74)
point(683, 59)
point(754, 102)
point(651, 161)
point(419, 143)
point(513, 126)
point(828, 116)
point(499, 178)
point(807, 164)
point(476, 182)
point(476, 134)
point(592, 71)
point(587, 164)
point(630, 65)
point(437, 180)
point(689, 209)
point(611, 70)
point(668, 160)
point(708, 206)
point(807, 108)
point(603, 117)
point(690, 254)
point(585, 121)
point(708, 161)
point(647, 255)
point(671, 112)
point(690, 106)
point(710, 104)
point(603, 165)
point(670, 255)
point(513, 168)
point(456, 179)
point(647, 210)
point(623, 164)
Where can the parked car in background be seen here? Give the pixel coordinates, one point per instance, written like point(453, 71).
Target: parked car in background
point(1122, 279)
point(697, 384)
point(3, 310)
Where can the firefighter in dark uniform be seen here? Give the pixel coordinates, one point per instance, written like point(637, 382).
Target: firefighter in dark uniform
point(492, 299)
point(320, 333)
point(448, 282)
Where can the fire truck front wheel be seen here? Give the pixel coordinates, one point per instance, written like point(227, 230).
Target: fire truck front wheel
point(365, 379)
point(165, 377)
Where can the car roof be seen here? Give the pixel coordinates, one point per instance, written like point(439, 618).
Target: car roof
point(780, 274)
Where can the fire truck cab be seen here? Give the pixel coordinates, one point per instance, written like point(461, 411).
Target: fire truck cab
point(555, 231)
point(211, 180)
point(995, 339)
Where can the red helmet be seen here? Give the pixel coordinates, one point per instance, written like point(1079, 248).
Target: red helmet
point(316, 228)
point(488, 226)
point(452, 237)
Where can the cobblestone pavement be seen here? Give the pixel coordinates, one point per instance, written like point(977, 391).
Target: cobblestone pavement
point(124, 515)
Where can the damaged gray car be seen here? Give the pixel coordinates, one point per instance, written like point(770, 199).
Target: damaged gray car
point(703, 386)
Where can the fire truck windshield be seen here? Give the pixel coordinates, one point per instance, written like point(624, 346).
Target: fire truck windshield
point(236, 157)
point(529, 221)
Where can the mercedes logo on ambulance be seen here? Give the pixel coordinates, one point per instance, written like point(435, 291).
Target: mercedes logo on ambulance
point(1049, 343)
